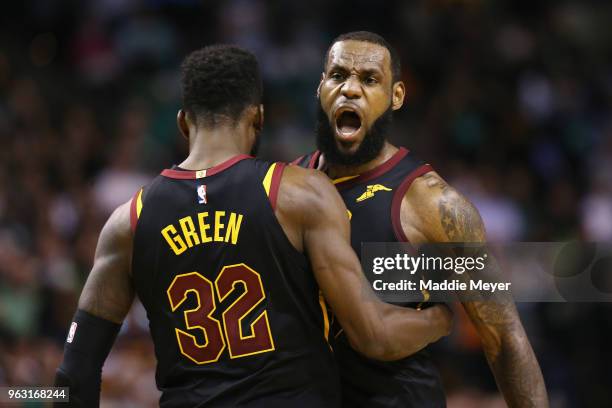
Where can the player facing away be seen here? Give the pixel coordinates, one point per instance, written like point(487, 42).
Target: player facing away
point(215, 250)
point(393, 196)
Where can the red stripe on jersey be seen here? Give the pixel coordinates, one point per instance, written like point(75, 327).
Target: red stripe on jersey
point(296, 161)
point(191, 174)
point(179, 174)
point(313, 159)
point(275, 183)
point(396, 204)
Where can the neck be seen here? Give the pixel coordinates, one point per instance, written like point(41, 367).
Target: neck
point(212, 146)
point(336, 171)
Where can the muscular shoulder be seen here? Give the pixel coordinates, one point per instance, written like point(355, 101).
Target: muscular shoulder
point(433, 211)
point(118, 226)
point(305, 198)
point(115, 239)
point(305, 190)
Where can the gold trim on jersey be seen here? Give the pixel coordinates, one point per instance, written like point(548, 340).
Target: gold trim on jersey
point(341, 179)
point(426, 297)
point(267, 181)
point(209, 304)
point(325, 316)
point(139, 203)
point(263, 315)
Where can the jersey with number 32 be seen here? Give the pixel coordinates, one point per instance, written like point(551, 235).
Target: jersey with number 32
point(233, 308)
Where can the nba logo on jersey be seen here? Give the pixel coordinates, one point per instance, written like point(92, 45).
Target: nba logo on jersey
point(202, 194)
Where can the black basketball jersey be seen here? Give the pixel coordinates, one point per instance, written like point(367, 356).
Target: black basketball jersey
point(234, 310)
point(374, 199)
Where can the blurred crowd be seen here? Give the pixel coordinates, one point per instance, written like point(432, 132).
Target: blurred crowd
point(509, 101)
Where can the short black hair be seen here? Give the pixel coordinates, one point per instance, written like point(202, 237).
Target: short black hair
point(368, 36)
point(219, 82)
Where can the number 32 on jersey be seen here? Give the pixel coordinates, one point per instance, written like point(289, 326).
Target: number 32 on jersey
point(239, 344)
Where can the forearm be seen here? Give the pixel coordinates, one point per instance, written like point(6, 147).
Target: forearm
point(507, 349)
point(509, 352)
point(88, 344)
point(516, 371)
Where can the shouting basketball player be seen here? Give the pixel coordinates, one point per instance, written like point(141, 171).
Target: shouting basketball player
point(393, 196)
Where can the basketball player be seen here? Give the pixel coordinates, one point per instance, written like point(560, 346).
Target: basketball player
point(215, 250)
point(393, 196)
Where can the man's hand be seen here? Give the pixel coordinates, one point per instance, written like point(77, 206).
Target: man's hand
point(442, 317)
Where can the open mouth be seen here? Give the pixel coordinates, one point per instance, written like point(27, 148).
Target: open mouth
point(348, 124)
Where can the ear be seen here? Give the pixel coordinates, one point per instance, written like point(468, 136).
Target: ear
point(181, 123)
point(259, 118)
point(320, 84)
point(399, 92)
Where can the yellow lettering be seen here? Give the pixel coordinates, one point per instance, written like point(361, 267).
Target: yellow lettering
point(189, 231)
point(174, 240)
point(204, 227)
point(218, 225)
point(233, 228)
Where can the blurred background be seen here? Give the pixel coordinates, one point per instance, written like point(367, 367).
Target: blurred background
point(509, 100)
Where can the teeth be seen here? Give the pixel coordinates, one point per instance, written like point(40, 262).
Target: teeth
point(348, 123)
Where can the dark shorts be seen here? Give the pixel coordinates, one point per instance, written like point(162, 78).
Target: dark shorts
point(410, 382)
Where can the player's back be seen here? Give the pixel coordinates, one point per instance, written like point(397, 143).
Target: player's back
point(234, 309)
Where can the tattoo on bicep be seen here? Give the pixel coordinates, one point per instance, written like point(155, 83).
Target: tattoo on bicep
point(459, 218)
point(505, 343)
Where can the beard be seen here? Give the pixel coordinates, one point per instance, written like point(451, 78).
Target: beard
point(370, 146)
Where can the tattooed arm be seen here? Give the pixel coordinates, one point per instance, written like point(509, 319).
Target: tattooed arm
point(432, 211)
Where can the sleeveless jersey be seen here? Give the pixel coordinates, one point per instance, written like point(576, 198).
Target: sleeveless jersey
point(374, 200)
point(234, 310)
